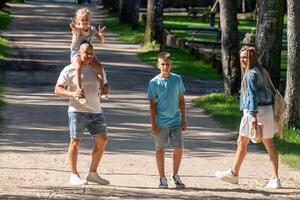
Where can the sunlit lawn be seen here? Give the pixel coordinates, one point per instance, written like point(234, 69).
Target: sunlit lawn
point(126, 34)
point(225, 109)
point(184, 64)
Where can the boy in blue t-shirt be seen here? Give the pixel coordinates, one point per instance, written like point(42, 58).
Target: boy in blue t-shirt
point(168, 119)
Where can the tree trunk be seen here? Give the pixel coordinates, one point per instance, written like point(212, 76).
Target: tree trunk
point(135, 14)
point(292, 94)
point(2, 4)
point(269, 36)
point(243, 6)
point(126, 10)
point(154, 26)
point(230, 46)
point(129, 12)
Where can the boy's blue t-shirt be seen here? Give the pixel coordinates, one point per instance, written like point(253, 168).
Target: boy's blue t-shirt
point(166, 93)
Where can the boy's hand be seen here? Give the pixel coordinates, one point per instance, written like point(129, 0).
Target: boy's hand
point(183, 125)
point(101, 33)
point(154, 130)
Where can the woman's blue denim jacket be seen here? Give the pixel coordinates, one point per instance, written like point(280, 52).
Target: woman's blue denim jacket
point(255, 94)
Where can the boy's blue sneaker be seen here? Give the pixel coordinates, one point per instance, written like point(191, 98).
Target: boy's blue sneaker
point(177, 181)
point(163, 183)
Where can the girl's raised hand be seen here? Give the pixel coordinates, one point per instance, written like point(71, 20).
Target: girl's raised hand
point(101, 33)
point(73, 25)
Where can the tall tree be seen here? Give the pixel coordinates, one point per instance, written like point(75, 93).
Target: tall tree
point(129, 12)
point(269, 36)
point(230, 46)
point(135, 14)
point(292, 94)
point(154, 26)
point(2, 4)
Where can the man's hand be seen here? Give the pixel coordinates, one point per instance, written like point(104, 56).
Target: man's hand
point(78, 94)
point(105, 89)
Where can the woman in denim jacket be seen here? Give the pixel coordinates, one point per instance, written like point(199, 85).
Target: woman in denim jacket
point(256, 102)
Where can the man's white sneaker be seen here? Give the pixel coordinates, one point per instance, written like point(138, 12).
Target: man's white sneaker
point(177, 182)
point(94, 177)
point(274, 183)
point(227, 176)
point(163, 183)
point(76, 180)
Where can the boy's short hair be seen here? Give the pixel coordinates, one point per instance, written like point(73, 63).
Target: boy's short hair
point(164, 55)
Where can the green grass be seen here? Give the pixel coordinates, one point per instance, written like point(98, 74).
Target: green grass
point(183, 64)
point(283, 61)
point(16, 1)
point(4, 19)
point(3, 48)
point(125, 33)
point(225, 109)
point(198, 37)
point(184, 21)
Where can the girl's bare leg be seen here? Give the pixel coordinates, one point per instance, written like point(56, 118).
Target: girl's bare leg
point(77, 65)
point(99, 68)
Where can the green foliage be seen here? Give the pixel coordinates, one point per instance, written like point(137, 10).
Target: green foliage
point(15, 1)
point(225, 109)
point(183, 64)
point(3, 48)
point(126, 33)
point(4, 19)
point(151, 45)
point(289, 147)
point(221, 107)
point(249, 38)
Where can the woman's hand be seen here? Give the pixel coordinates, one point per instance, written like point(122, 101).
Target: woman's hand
point(254, 121)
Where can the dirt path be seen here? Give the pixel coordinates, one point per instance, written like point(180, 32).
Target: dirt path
point(34, 136)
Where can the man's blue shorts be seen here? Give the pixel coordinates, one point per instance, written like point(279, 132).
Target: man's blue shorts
point(95, 123)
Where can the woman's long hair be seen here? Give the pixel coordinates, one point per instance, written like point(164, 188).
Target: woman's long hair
point(252, 61)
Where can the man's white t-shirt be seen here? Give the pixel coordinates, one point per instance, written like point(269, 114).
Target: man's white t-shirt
point(90, 84)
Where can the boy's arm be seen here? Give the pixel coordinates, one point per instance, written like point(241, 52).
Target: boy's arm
point(154, 129)
point(182, 110)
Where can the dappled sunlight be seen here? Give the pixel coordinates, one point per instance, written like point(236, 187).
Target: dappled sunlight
point(35, 99)
point(46, 128)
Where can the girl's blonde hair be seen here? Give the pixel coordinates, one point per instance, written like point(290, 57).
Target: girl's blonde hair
point(252, 61)
point(82, 12)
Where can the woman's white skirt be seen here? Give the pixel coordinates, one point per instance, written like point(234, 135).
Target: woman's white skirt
point(264, 116)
